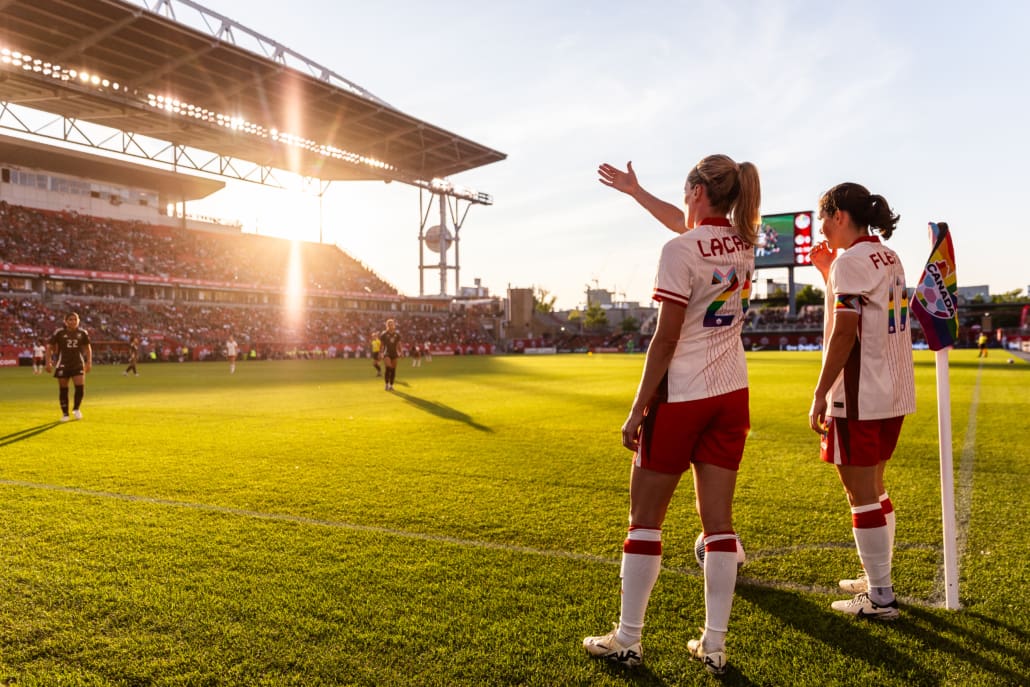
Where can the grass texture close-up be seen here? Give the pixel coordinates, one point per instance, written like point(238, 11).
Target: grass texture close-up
point(295, 524)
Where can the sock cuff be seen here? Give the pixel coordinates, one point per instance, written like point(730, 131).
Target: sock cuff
point(642, 541)
point(721, 541)
point(866, 508)
point(868, 519)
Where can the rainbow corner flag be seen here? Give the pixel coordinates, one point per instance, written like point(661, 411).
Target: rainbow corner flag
point(934, 302)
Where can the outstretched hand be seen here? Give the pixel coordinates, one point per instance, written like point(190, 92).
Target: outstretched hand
point(618, 179)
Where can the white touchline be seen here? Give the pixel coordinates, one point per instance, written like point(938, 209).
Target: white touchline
point(456, 541)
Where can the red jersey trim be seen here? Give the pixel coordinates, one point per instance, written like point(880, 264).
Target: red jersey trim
point(663, 295)
point(714, 222)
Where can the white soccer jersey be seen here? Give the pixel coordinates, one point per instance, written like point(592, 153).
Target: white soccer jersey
point(877, 381)
point(707, 269)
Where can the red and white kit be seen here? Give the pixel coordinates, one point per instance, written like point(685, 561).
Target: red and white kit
point(877, 381)
point(707, 269)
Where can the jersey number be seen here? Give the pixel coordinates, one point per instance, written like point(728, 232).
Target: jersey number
point(897, 307)
point(712, 316)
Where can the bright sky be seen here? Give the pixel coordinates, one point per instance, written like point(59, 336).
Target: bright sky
point(925, 103)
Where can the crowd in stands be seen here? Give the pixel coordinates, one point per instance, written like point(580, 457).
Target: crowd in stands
point(67, 239)
point(778, 317)
point(71, 241)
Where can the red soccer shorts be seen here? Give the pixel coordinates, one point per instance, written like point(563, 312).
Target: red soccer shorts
point(708, 430)
point(859, 442)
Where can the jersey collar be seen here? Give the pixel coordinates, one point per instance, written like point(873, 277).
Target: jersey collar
point(869, 238)
point(714, 222)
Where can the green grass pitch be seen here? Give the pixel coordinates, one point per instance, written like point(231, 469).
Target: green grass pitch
point(295, 524)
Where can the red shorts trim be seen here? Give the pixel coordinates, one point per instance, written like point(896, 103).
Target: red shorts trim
point(708, 430)
point(862, 443)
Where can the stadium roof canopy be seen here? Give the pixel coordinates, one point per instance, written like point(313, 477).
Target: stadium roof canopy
point(171, 185)
point(117, 64)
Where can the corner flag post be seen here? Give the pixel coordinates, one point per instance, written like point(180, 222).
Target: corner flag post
point(935, 305)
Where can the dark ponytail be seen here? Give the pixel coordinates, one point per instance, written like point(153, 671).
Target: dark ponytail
point(866, 210)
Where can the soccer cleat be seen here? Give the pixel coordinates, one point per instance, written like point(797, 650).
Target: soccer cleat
point(77, 414)
point(65, 418)
point(862, 606)
point(714, 661)
point(609, 648)
point(856, 586)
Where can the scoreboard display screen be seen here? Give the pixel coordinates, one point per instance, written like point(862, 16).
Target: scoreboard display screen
point(784, 240)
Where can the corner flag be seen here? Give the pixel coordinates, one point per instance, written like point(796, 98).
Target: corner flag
point(934, 303)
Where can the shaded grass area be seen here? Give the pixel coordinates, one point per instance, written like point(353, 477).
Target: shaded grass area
point(295, 524)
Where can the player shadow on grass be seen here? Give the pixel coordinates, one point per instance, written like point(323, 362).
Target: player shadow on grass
point(23, 434)
point(974, 646)
point(856, 639)
point(692, 673)
point(442, 411)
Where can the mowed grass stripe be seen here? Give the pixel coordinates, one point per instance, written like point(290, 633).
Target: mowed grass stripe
point(441, 539)
point(417, 533)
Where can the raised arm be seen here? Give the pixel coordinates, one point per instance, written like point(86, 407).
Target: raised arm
point(668, 214)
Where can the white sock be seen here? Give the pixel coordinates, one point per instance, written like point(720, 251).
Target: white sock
point(872, 539)
point(720, 581)
point(888, 512)
point(641, 564)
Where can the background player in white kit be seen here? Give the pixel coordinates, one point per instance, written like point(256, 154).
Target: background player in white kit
point(866, 385)
point(231, 350)
point(691, 407)
point(38, 358)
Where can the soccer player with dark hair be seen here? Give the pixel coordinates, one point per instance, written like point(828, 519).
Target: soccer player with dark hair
point(391, 341)
point(867, 384)
point(133, 357)
point(70, 355)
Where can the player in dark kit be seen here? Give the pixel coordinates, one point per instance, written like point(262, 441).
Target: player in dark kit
point(133, 357)
point(70, 355)
point(390, 339)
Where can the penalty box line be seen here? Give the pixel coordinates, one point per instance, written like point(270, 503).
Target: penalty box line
point(420, 536)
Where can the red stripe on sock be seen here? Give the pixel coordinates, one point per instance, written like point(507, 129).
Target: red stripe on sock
point(729, 545)
point(886, 506)
point(647, 548)
point(868, 520)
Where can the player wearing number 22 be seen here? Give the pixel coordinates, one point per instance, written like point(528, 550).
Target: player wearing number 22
point(866, 385)
point(691, 406)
